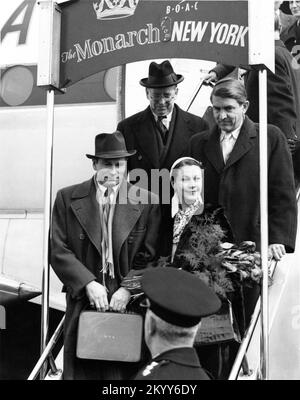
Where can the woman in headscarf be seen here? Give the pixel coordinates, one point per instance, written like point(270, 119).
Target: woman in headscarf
point(187, 205)
point(191, 218)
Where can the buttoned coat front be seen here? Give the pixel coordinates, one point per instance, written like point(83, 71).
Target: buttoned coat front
point(235, 186)
point(76, 249)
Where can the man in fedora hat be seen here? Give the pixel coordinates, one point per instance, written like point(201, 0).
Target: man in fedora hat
point(177, 300)
point(162, 131)
point(102, 235)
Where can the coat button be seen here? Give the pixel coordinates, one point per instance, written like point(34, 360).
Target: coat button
point(82, 236)
point(139, 157)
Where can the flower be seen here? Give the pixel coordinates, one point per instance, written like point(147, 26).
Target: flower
point(221, 265)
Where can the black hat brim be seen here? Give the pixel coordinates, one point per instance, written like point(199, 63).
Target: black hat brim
point(112, 154)
point(145, 82)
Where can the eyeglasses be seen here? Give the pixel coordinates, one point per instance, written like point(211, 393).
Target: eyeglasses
point(158, 96)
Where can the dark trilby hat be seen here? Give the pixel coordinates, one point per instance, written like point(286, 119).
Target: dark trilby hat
point(110, 145)
point(177, 296)
point(161, 75)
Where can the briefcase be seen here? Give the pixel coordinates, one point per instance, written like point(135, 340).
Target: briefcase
point(109, 336)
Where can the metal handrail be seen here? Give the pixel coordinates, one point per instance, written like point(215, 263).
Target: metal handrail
point(249, 333)
point(48, 349)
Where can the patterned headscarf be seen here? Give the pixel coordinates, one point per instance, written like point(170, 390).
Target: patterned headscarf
point(182, 217)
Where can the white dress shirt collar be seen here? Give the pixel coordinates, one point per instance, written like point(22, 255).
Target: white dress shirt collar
point(166, 120)
point(234, 134)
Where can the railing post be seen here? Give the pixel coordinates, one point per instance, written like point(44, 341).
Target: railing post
point(263, 162)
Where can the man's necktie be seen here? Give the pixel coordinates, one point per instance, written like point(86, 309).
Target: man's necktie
point(106, 209)
point(227, 146)
point(162, 128)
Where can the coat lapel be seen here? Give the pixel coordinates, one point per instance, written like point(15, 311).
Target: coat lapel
point(86, 210)
point(145, 138)
point(244, 142)
point(180, 136)
point(213, 150)
point(125, 217)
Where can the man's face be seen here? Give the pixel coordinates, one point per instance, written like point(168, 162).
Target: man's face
point(295, 8)
point(228, 113)
point(162, 99)
point(110, 171)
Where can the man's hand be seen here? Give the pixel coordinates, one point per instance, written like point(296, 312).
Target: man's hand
point(276, 251)
point(210, 77)
point(97, 295)
point(294, 145)
point(120, 300)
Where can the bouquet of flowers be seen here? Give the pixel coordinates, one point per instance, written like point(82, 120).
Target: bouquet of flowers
point(222, 266)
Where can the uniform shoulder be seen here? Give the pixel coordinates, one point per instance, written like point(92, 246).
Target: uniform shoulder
point(154, 371)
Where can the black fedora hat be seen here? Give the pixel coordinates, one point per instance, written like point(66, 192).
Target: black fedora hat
point(161, 75)
point(177, 296)
point(110, 145)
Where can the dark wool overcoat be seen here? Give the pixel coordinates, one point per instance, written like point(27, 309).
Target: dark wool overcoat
point(235, 186)
point(76, 251)
point(140, 134)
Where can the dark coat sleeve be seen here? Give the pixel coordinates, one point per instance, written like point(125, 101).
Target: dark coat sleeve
point(282, 198)
point(281, 102)
point(147, 251)
point(223, 70)
point(70, 270)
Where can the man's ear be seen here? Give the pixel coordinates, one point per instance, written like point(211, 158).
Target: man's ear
point(246, 106)
point(94, 161)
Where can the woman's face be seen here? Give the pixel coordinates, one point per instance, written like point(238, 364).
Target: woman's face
point(188, 184)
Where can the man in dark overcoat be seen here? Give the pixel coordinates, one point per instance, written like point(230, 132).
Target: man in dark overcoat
point(103, 232)
point(233, 182)
point(230, 156)
point(161, 132)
